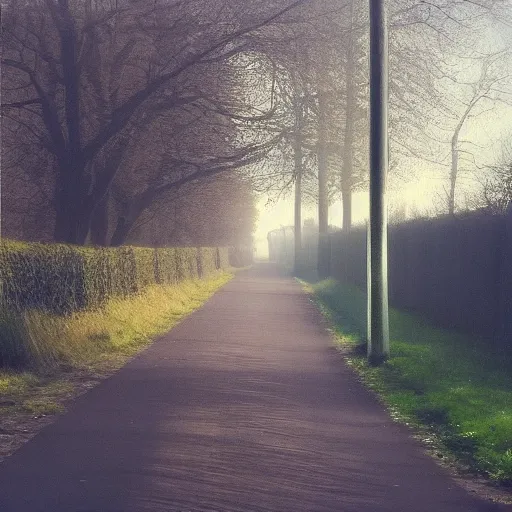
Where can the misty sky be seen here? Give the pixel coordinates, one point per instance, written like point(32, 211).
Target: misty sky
point(415, 184)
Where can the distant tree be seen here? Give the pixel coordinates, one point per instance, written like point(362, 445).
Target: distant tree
point(292, 163)
point(354, 169)
point(443, 74)
point(219, 211)
point(496, 187)
point(485, 93)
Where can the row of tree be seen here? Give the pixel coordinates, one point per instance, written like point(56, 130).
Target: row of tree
point(112, 107)
point(119, 114)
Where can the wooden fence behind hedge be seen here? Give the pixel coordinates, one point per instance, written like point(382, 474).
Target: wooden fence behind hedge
point(62, 278)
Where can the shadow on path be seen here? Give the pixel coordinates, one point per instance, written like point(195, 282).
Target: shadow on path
point(244, 406)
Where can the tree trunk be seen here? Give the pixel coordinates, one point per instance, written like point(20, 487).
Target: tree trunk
point(130, 212)
point(298, 202)
point(346, 198)
point(76, 206)
point(70, 219)
point(99, 223)
point(298, 161)
point(72, 222)
point(348, 145)
point(123, 228)
point(323, 197)
point(455, 151)
point(63, 230)
point(453, 172)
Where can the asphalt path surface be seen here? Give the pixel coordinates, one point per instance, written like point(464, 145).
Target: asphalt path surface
point(244, 406)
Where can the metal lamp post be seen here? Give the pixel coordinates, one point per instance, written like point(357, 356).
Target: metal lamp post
point(377, 271)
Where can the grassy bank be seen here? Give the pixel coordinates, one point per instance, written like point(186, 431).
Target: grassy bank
point(453, 384)
point(68, 354)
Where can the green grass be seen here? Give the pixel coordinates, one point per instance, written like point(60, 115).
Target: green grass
point(90, 343)
point(456, 385)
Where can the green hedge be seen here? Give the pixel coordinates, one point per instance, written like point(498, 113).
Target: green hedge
point(62, 279)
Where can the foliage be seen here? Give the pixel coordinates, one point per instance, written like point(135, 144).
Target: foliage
point(119, 103)
point(218, 211)
point(62, 278)
point(456, 385)
point(497, 188)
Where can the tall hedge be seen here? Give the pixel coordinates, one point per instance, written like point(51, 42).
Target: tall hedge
point(62, 278)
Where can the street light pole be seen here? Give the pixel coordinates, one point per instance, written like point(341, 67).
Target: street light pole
point(377, 278)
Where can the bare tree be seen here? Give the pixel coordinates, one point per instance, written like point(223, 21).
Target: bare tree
point(86, 73)
point(219, 211)
point(495, 194)
point(485, 93)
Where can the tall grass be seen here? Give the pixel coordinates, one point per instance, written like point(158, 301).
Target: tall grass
point(43, 344)
point(457, 385)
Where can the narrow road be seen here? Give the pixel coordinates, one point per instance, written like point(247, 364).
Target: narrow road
point(245, 406)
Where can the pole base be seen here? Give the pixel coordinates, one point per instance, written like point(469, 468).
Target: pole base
point(377, 360)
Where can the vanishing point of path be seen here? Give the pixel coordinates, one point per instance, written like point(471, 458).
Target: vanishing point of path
point(245, 406)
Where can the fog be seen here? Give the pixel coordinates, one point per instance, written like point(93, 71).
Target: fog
point(186, 227)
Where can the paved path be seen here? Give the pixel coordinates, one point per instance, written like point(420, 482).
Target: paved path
point(244, 406)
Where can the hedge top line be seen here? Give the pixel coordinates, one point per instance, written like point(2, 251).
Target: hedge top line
point(61, 278)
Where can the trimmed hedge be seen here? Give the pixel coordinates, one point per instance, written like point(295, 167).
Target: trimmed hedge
point(61, 278)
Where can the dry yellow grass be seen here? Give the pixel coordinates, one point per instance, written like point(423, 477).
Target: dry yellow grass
point(105, 338)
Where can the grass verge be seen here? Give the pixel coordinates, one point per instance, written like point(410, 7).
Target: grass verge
point(68, 355)
point(454, 385)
